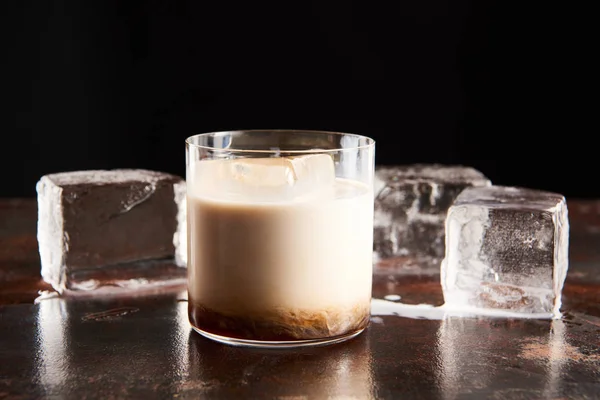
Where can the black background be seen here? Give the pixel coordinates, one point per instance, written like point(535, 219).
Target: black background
point(111, 84)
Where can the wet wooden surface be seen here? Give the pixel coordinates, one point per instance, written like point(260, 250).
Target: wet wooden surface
point(142, 346)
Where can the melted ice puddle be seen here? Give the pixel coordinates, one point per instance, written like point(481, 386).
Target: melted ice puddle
point(428, 311)
point(418, 311)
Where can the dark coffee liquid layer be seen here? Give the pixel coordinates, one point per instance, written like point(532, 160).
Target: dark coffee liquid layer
point(281, 325)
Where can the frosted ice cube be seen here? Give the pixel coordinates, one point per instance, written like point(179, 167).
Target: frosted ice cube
point(180, 235)
point(264, 179)
point(411, 204)
point(506, 248)
point(89, 222)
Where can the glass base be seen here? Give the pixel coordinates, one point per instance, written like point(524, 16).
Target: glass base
point(278, 344)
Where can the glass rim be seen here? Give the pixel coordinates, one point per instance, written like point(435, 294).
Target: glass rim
point(370, 143)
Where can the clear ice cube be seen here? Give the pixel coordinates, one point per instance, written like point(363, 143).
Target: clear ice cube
point(264, 179)
point(507, 249)
point(96, 226)
point(411, 204)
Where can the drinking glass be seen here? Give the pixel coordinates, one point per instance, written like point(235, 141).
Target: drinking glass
point(280, 236)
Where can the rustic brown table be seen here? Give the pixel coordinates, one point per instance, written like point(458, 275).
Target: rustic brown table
point(142, 346)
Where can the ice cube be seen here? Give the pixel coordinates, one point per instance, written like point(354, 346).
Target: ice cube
point(89, 222)
point(410, 208)
point(180, 235)
point(264, 179)
point(506, 248)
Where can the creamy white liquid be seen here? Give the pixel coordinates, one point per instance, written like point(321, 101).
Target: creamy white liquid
point(307, 254)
